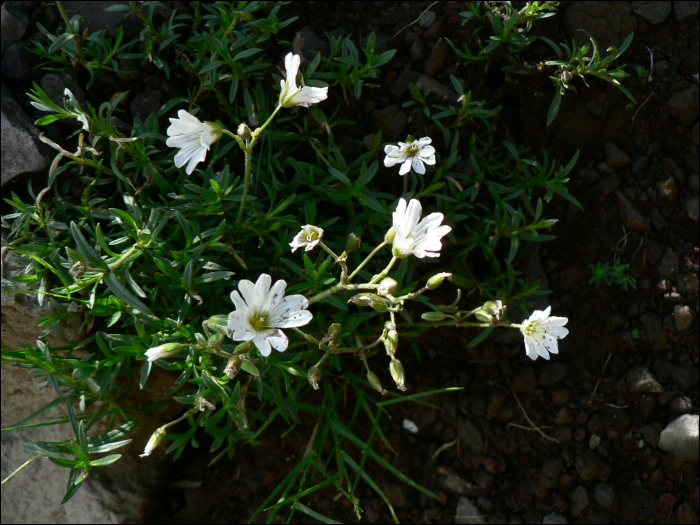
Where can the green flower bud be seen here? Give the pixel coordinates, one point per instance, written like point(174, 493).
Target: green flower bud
point(436, 280)
point(433, 316)
point(374, 381)
point(244, 132)
point(483, 316)
point(387, 286)
point(233, 366)
point(243, 348)
point(370, 299)
point(396, 369)
point(496, 309)
point(217, 323)
point(353, 243)
point(216, 340)
point(314, 376)
point(334, 330)
point(153, 442)
point(390, 235)
point(391, 342)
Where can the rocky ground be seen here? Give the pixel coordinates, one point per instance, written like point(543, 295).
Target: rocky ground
point(607, 432)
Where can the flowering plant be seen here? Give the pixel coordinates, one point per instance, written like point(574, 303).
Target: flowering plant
point(178, 214)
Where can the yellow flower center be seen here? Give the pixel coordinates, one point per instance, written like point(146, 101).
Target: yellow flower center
point(259, 322)
point(412, 149)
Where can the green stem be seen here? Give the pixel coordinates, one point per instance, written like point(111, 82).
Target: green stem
point(381, 276)
point(363, 263)
point(124, 257)
point(246, 183)
point(69, 27)
point(329, 251)
point(256, 133)
point(405, 184)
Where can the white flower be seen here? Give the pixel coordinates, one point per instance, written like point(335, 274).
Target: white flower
point(412, 237)
point(192, 137)
point(307, 238)
point(410, 154)
point(75, 109)
point(165, 350)
point(262, 311)
point(291, 95)
point(541, 333)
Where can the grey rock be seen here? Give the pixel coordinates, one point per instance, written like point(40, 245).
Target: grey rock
point(435, 31)
point(427, 19)
point(683, 105)
point(609, 22)
point(524, 381)
point(653, 12)
point(667, 189)
point(655, 253)
point(615, 156)
point(684, 9)
point(497, 397)
point(468, 512)
point(640, 379)
point(685, 376)
point(18, 62)
point(654, 329)
point(605, 168)
point(657, 220)
point(485, 504)
point(437, 57)
point(604, 495)
point(589, 176)
point(680, 437)
point(630, 215)
point(563, 433)
point(391, 121)
point(668, 267)
point(402, 83)
point(554, 518)
point(694, 182)
point(598, 109)
point(437, 89)
point(652, 432)
point(587, 465)
point(640, 165)
point(553, 373)
point(146, 103)
point(609, 184)
point(680, 405)
point(417, 50)
point(579, 501)
point(307, 44)
point(483, 479)
point(14, 23)
point(688, 282)
point(691, 207)
point(674, 169)
point(553, 468)
point(22, 151)
point(685, 316)
point(97, 18)
point(471, 435)
point(660, 68)
point(564, 416)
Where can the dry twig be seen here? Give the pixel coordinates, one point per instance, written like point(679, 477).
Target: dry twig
point(534, 427)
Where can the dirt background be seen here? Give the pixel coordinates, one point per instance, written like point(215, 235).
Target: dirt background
point(599, 461)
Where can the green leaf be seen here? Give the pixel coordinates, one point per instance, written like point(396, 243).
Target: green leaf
point(125, 295)
point(107, 460)
point(85, 249)
point(250, 368)
point(554, 108)
point(320, 517)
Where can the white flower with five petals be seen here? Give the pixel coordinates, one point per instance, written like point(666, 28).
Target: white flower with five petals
point(541, 333)
point(413, 236)
point(262, 311)
point(292, 95)
point(410, 154)
point(307, 238)
point(192, 137)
